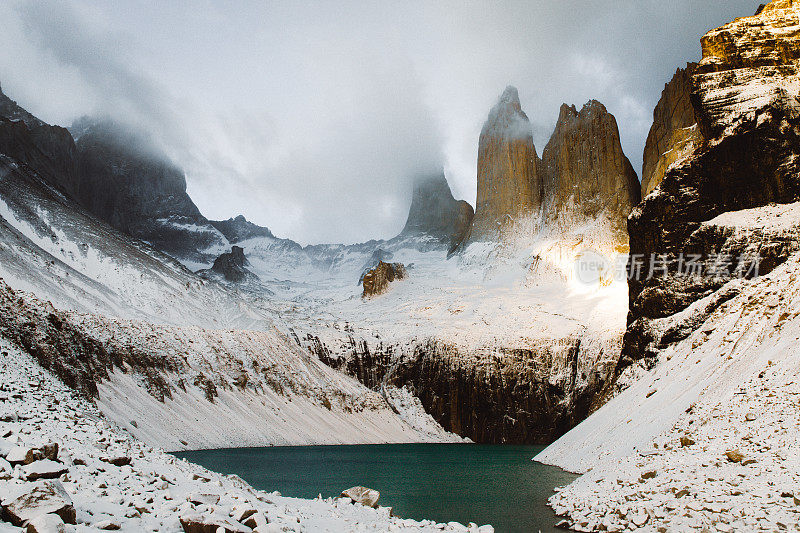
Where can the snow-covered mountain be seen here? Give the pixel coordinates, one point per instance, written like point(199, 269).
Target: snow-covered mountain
point(703, 437)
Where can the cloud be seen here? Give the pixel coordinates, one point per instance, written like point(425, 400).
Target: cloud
point(314, 118)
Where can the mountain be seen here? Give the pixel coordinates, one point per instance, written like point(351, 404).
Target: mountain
point(674, 133)
point(704, 406)
point(240, 229)
point(510, 183)
point(587, 174)
point(434, 212)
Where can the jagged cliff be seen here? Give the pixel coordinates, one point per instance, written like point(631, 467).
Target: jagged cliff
point(674, 133)
point(745, 96)
point(587, 174)
point(434, 212)
point(510, 183)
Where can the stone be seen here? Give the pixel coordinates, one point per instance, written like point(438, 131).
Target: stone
point(750, 417)
point(377, 280)
point(255, 521)
point(734, 456)
point(586, 172)
point(117, 460)
point(686, 441)
point(200, 498)
point(363, 495)
point(33, 499)
point(108, 525)
point(242, 513)
point(210, 523)
point(24, 455)
point(510, 183)
point(43, 469)
point(47, 523)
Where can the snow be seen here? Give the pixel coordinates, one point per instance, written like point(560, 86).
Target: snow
point(155, 490)
point(741, 361)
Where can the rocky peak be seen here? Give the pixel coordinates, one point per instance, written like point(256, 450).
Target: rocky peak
point(674, 133)
point(509, 181)
point(586, 171)
point(240, 229)
point(435, 212)
point(230, 266)
point(745, 97)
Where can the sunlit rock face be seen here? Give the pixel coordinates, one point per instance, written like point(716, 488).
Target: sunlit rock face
point(510, 184)
point(587, 174)
point(746, 97)
point(434, 212)
point(674, 133)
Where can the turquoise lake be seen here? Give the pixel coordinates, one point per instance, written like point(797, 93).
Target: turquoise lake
point(485, 484)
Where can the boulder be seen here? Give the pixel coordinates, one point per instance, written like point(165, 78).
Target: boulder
point(48, 523)
point(44, 469)
point(117, 460)
point(33, 499)
point(24, 455)
point(210, 523)
point(377, 280)
point(202, 498)
point(363, 495)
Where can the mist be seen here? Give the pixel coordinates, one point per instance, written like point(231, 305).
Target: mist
point(314, 119)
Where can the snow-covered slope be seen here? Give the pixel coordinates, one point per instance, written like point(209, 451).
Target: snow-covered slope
point(154, 491)
point(146, 335)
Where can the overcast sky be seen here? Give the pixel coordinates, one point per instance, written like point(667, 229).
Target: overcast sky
point(312, 118)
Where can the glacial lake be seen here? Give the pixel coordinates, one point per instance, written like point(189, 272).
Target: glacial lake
point(485, 484)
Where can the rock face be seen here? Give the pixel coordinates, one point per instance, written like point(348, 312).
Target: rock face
point(240, 229)
point(587, 174)
point(377, 280)
point(136, 189)
point(745, 96)
point(436, 213)
point(674, 133)
point(510, 184)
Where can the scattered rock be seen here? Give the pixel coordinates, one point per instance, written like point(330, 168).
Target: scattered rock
point(204, 499)
point(48, 523)
point(34, 499)
point(362, 495)
point(44, 469)
point(686, 441)
point(108, 525)
point(117, 460)
point(734, 456)
point(199, 523)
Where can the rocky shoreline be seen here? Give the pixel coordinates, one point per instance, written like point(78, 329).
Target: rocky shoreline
point(67, 468)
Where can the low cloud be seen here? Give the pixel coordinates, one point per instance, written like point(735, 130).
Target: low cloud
point(314, 119)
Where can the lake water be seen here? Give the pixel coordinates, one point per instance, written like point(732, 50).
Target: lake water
point(497, 485)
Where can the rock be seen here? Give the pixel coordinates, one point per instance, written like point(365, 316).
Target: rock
point(44, 469)
point(510, 183)
point(255, 521)
point(649, 475)
point(743, 93)
point(34, 499)
point(209, 523)
point(108, 525)
point(750, 417)
point(734, 456)
point(48, 523)
point(231, 266)
point(377, 280)
point(435, 213)
point(199, 498)
point(117, 460)
point(674, 133)
point(50, 451)
point(240, 514)
point(363, 495)
point(586, 172)
point(686, 441)
point(240, 229)
point(24, 455)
